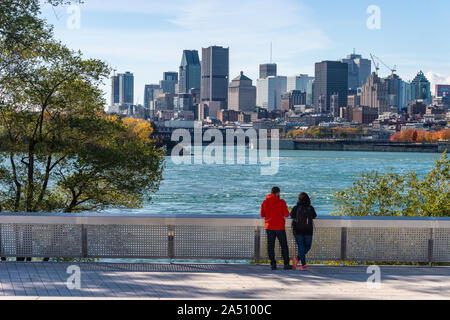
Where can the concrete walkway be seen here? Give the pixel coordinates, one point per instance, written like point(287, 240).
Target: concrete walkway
point(209, 281)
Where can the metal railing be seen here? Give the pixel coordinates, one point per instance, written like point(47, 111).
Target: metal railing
point(224, 237)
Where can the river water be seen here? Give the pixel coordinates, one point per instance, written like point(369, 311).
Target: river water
point(202, 189)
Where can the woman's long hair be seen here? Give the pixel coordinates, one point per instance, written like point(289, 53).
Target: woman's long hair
point(303, 200)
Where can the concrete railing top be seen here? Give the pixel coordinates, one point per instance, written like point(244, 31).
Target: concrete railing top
point(93, 218)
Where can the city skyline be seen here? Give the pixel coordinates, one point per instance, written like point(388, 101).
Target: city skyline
point(149, 38)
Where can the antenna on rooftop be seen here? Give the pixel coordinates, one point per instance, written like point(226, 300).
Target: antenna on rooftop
point(271, 52)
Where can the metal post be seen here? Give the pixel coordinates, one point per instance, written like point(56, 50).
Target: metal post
point(84, 244)
point(257, 245)
point(171, 242)
point(430, 247)
point(343, 244)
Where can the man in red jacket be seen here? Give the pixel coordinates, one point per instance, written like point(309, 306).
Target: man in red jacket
point(274, 210)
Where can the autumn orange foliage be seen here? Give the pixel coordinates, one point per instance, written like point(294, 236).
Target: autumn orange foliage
point(421, 135)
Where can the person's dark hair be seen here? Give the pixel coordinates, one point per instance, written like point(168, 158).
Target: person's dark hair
point(276, 190)
point(303, 199)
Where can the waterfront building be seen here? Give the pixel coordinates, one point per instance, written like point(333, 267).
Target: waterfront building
point(242, 94)
point(267, 70)
point(331, 78)
point(299, 82)
point(214, 79)
point(269, 91)
point(364, 114)
point(359, 70)
point(126, 88)
point(190, 71)
point(421, 88)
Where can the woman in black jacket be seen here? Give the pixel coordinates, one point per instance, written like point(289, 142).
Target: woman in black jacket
point(302, 226)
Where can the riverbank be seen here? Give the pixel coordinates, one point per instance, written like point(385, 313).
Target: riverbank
point(366, 146)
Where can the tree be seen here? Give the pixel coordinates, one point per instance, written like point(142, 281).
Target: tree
point(60, 152)
point(393, 194)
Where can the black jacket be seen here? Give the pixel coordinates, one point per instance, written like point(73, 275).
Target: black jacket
point(307, 214)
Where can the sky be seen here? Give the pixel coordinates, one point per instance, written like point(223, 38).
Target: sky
point(147, 37)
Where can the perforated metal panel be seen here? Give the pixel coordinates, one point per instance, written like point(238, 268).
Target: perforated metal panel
point(26, 240)
point(441, 245)
point(326, 245)
point(387, 244)
point(214, 242)
point(124, 241)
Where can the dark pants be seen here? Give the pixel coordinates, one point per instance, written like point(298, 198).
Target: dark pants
point(304, 245)
point(281, 235)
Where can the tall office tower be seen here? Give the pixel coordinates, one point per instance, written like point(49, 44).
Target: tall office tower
point(442, 90)
point(421, 88)
point(169, 82)
point(214, 80)
point(331, 78)
point(299, 82)
point(269, 91)
point(310, 94)
point(374, 94)
point(359, 70)
point(291, 99)
point(394, 87)
point(267, 70)
point(190, 71)
point(242, 94)
point(406, 94)
point(126, 88)
point(151, 92)
point(115, 90)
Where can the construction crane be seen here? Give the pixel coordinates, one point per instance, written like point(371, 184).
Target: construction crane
point(393, 70)
point(377, 65)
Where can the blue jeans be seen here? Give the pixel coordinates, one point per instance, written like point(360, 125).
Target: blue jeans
point(282, 238)
point(304, 245)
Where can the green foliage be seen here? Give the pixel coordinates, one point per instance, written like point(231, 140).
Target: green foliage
point(59, 150)
point(392, 194)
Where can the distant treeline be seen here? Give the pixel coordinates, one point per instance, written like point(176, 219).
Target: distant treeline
point(410, 135)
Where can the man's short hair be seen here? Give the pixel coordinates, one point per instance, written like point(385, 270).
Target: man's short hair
point(276, 190)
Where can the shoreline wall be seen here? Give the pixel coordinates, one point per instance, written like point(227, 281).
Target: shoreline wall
point(368, 146)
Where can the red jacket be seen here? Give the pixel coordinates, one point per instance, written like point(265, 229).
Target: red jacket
point(274, 210)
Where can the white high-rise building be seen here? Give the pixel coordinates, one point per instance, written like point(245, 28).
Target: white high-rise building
point(269, 92)
point(298, 82)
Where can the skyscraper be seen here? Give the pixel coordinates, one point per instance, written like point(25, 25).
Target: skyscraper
point(331, 79)
point(269, 92)
point(242, 94)
point(359, 70)
point(126, 88)
point(169, 82)
point(214, 78)
point(267, 70)
point(421, 88)
point(190, 71)
point(115, 90)
point(298, 82)
point(374, 94)
point(151, 92)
